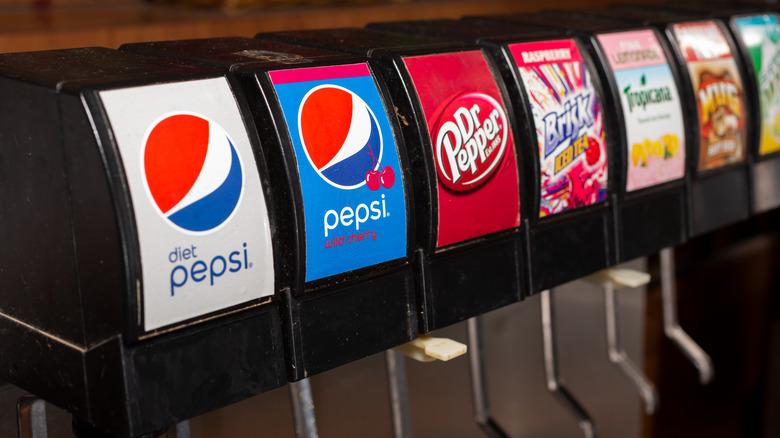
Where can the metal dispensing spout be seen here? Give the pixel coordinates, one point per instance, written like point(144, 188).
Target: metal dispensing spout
point(554, 384)
point(482, 414)
point(701, 360)
point(31, 417)
point(303, 409)
point(609, 280)
point(423, 349)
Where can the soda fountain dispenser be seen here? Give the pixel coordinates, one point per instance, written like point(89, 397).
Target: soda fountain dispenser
point(139, 270)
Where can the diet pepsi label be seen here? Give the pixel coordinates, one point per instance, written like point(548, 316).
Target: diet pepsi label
point(201, 216)
point(353, 192)
point(473, 148)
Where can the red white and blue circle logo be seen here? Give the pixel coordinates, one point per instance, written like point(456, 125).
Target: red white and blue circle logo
point(192, 171)
point(342, 140)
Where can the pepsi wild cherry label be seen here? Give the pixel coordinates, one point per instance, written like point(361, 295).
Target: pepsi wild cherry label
point(347, 160)
point(652, 111)
point(717, 86)
point(568, 121)
point(473, 149)
point(200, 212)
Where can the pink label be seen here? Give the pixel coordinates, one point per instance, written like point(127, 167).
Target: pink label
point(318, 73)
point(473, 150)
point(632, 49)
point(701, 41)
point(547, 52)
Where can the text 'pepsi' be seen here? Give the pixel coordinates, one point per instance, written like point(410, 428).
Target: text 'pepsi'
point(347, 161)
point(199, 270)
point(358, 215)
point(194, 187)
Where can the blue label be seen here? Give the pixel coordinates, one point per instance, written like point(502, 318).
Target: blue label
point(351, 180)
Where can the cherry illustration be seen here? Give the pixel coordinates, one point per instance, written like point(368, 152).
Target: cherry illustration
point(387, 178)
point(593, 153)
point(375, 178)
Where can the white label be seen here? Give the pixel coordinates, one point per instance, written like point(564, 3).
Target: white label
point(203, 229)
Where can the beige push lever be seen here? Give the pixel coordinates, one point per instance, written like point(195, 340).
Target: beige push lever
point(427, 349)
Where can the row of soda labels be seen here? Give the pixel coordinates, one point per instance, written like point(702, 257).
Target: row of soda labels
point(191, 169)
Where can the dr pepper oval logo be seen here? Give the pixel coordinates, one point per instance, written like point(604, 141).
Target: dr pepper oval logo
point(471, 140)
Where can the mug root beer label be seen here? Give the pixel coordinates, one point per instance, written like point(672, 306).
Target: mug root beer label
point(717, 86)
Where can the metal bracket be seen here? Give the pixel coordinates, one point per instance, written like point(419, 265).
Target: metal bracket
point(609, 279)
point(554, 383)
point(31, 417)
point(701, 360)
point(179, 430)
point(479, 383)
point(303, 409)
point(399, 394)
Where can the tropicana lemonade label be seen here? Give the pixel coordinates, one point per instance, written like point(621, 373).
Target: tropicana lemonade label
point(655, 134)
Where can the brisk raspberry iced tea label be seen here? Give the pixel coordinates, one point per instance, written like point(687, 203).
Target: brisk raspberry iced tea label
point(761, 36)
point(655, 134)
point(718, 88)
point(473, 149)
point(568, 121)
point(351, 180)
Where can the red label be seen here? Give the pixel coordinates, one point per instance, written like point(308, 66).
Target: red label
point(474, 154)
point(701, 41)
point(547, 52)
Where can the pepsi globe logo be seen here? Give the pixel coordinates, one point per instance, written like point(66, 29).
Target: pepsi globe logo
point(342, 140)
point(471, 136)
point(192, 171)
